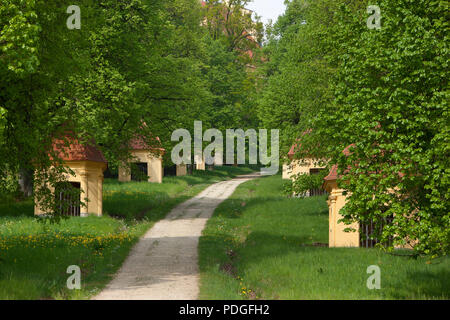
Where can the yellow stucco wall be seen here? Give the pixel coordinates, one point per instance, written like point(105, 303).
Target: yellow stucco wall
point(154, 166)
point(299, 166)
point(90, 176)
point(337, 236)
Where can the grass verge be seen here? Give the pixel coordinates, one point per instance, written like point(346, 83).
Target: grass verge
point(261, 245)
point(34, 256)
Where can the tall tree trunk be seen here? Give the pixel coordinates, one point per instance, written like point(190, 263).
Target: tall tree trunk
point(26, 181)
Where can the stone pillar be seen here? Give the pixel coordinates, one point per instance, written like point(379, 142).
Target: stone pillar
point(338, 236)
point(286, 174)
point(37, 207)
point(124, 173)
point(100, 195)
point(155, 170)
point(331, 204)
point(181, 170)
point(84, 210)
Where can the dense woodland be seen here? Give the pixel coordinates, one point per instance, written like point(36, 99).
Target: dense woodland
point(319, 69)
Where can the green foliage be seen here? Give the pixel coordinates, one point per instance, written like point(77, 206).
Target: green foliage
point(19, 37)
point(232, 24)
point(392, 103)
point(386, 92)
point(302, 182)
point(297, 73)
point(34, 257)
point(131, 62)
point(231, 86)
point(261, 245)
point(232, 46)
point(287, 188)
point(11, 189)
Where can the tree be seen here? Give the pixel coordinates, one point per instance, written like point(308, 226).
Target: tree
point(230, 22)
point(31, 81)
point(133, 62)
point(385, 93)
point(392, 103)
point(87, 81)
point(298, 71)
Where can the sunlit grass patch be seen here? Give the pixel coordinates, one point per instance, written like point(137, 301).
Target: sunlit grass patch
point(262, 245)
point(34, 256)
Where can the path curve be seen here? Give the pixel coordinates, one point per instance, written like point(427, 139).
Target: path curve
point(163, 265)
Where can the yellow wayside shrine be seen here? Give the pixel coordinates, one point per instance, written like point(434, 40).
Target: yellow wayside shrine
point(151, 159)
point(88, 165)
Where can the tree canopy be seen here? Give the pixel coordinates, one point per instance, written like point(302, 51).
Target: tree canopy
point(321, 76)
point(382, 91)
point(131, 62)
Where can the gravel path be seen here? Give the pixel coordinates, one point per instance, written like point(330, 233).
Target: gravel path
point(163, 265)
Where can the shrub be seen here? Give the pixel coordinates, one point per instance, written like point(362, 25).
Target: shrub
point(304, 182)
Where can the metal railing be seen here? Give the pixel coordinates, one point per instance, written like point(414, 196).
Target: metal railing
point(367, 232)
point(68, 204)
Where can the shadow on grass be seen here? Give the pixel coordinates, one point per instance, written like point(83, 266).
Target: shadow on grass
point(149, 201)
point(273, 246)
point(272, 256)
point(234, 208)
point(15, 209)
point(11, 208)
point(126, 205)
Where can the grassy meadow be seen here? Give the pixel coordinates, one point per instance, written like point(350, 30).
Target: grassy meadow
point(34, 256)
point(262, 245)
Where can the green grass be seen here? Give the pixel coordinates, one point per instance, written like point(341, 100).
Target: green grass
point(34, 256)
point(261, 245)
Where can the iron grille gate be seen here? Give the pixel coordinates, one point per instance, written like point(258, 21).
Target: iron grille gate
point(316, 192)
point(68, 204)
point(367, 231)
point(139, 172)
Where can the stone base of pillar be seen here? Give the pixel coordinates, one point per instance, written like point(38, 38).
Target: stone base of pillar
point(181, 170)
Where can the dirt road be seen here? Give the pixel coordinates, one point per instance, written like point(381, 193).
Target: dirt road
point(163, 265)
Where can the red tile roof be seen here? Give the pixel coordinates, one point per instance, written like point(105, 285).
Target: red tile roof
point(71, 150)
point(297, 146)
point(291, 152)
point(333, 174)
point(140, 143)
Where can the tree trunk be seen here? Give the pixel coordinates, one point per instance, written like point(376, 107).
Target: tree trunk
point(26, 182)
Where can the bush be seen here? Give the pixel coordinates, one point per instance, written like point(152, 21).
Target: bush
point(10, 189)
point(287, 188)
point(304, 182)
